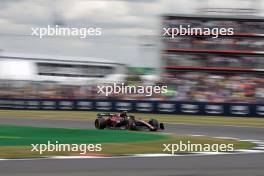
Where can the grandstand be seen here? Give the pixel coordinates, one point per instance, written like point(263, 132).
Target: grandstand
point(223, 69)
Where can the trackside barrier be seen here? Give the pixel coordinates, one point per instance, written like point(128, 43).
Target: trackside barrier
point(158, 107)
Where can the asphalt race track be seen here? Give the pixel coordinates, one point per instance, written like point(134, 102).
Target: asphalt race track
point(209, 165)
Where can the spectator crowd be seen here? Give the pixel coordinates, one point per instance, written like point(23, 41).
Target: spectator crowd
point(182, 86)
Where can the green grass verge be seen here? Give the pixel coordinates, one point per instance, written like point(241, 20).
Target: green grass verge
point(11, 135)
point(15, 141)
point(77, 115)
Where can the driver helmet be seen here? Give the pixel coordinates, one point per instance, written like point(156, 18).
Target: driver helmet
point(123, 114)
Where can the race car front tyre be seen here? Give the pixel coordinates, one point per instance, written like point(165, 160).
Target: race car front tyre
point(162, 126)
point(100, 123)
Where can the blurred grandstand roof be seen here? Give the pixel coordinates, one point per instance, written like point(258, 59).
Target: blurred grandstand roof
point(45, 57)
point(230, 17)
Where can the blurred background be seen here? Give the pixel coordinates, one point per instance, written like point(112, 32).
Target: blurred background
point(131, 49)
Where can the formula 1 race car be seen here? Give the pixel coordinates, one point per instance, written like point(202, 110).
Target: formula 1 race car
point(123, 121)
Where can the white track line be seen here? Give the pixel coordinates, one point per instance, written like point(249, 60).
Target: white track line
point(193, 124)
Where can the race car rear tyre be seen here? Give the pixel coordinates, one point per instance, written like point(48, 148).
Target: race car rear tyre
point(100, 123)
point(154, 123)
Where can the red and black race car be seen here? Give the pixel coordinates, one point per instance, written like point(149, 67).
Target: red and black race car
point(123, 121)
